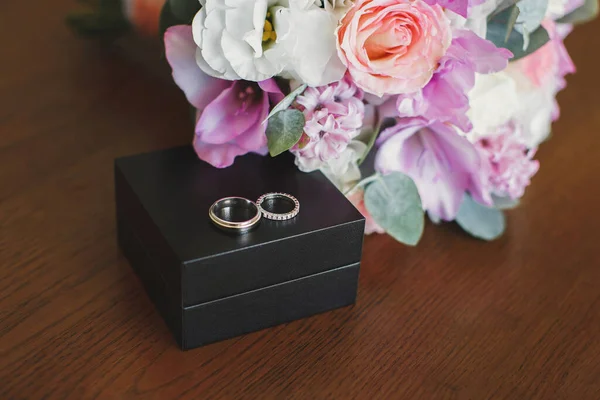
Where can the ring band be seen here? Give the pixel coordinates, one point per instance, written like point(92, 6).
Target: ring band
point(274, 215)
point(227, 214)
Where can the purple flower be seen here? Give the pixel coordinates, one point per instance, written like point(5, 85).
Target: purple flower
point(510, 164)
point(334, 115)
point(442, 163)
point(444, 98)
point(460, 7)
point(230, 114)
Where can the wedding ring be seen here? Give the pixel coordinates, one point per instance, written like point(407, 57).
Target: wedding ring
point(235, 214)
point(278, 206)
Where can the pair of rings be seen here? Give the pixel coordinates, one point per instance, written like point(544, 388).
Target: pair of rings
point(240, 215)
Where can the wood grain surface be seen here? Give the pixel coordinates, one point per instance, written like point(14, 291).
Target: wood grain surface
point(453, 318)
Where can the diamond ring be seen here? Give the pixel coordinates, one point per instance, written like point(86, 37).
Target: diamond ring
point(278, 206)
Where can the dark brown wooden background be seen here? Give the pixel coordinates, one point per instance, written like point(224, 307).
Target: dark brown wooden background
point(454, 318)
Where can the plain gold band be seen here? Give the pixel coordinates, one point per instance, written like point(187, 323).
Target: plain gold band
point(239, 227)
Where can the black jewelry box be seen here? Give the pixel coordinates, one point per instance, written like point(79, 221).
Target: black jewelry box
point(210, 285)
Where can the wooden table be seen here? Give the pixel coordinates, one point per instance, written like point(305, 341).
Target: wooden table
point(454, 318)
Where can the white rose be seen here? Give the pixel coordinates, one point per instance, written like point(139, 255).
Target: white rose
point(508, 96)
point(537, 105)
point(339, 7)
point(229, 35)
point(258, 39)
point(537, 118)
point(494, 101)
point(306, 32)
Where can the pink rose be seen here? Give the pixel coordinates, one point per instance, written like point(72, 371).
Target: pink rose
point(393, 46)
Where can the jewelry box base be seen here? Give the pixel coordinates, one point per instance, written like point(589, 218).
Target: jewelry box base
point(235, 315)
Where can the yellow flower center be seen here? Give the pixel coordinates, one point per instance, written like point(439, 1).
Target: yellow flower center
point(269, 33)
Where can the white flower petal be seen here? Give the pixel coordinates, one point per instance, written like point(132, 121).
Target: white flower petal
point(254, 36)
point(498, 89)
point(241, 18)
point(198, 26)
point(323, 66)
point(241, 58)
point(344, 171)
point(207, 69)
point(207, 28)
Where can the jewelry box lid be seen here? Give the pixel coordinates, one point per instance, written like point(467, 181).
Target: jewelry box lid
point(166, 196)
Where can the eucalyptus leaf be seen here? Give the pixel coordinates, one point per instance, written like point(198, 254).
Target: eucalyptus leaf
point(99, 19)
point(480, 221)
point(114, 7)
point(587, 12)
point(167, 19)
point(394, 203)
point(362, 183)
point(184, 10)
point(502, 7)
point(96, 24)
point(531, 14)
point(512, 20)
point(284, 130)
point(434, 218)
point(287, 101)
point(496, 33)
point(504, 203)
point(370, 144)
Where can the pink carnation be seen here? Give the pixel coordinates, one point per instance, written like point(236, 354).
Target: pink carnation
point(551, 62)
point(510, 164)
point(393, 46)
point(334, 116)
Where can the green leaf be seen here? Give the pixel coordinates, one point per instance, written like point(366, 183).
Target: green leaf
point(434, 218)
point(284, 130)
point(362, 183)
point(394, 203)
point(531, 14)
point(99, 19)
point(370, 145)
point(502, 7)
point(504, 203)
point(587, 12)
point(372, 138)
point(496, 33)
point(525, 18)
point(480, 221)
point(287, 101)
point(95, 24)
point(512, 20)
point(112, 6)
point(167, 19)
point(185, 10)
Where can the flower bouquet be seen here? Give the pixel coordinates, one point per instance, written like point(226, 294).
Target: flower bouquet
point(445, 102)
